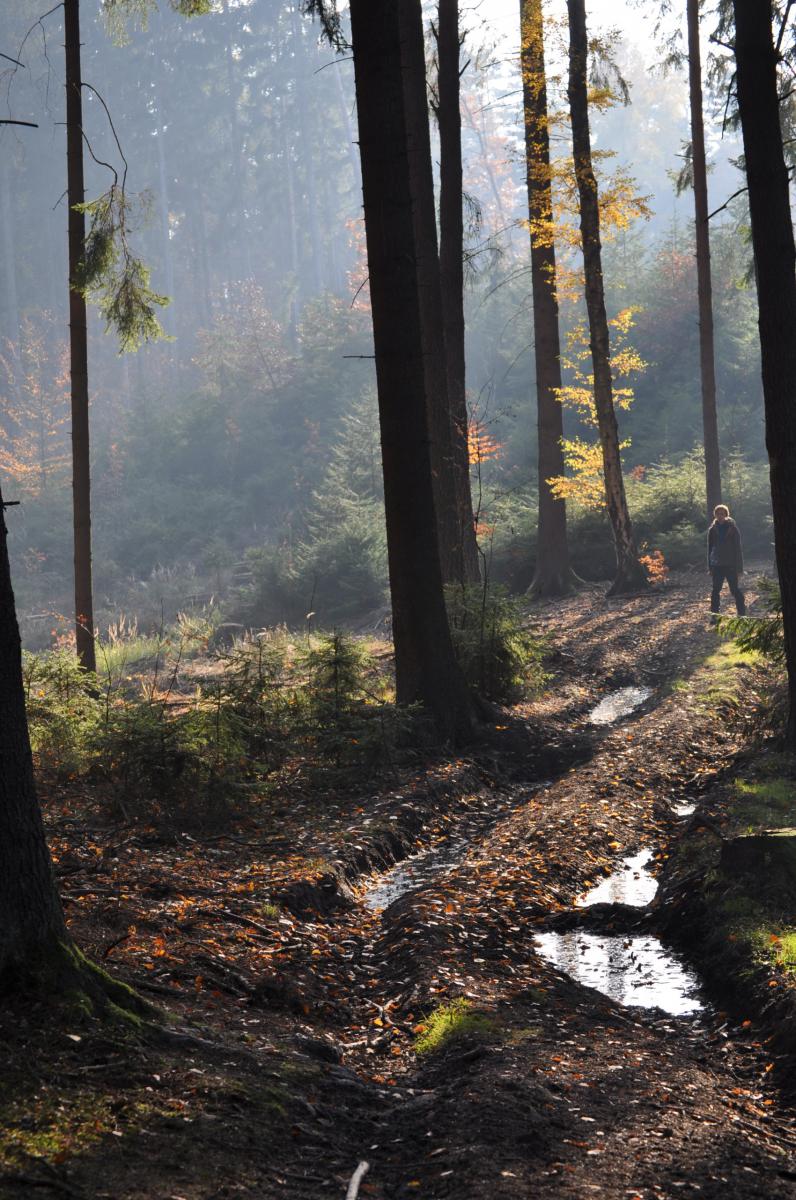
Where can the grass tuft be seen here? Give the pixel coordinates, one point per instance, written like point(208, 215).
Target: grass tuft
point(449, 1022)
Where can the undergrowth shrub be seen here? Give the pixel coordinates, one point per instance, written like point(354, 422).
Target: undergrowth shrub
point(350, 720)
point(192, 749)
point(764, 635)
point(338, 574)
point(63, 715)
point(188, 765)
point(260, 694)
point(501, 659)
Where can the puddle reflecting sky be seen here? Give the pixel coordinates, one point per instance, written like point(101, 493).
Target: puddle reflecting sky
point(630, 883)
point(413, 873)
point(619, 704)
point(635, 971)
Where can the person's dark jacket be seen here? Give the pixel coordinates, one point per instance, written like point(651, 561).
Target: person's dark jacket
point(724, 548)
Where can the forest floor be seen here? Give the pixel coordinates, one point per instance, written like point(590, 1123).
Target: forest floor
point(310, 1032)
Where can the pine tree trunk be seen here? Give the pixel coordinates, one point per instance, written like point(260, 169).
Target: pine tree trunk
point(78, 344)
point(161, 88)
point(630, 575)
point(13, 324)
point(242, 242)
point(553, 575)
point(775, 261)
point(315, 283)
point(31, 920)
point(704, 284)
point(296, 296)
point(451, 261)
point(418, 146)
point(426, 669)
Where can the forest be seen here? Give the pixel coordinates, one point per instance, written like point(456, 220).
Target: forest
point(397, 599)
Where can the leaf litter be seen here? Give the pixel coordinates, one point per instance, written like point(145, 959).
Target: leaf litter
point(307, 1017)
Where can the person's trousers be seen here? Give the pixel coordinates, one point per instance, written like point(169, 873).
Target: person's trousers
point(719, 575)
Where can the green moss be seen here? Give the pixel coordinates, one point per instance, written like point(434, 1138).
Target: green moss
point(53, 1126)
point(451, 1021)
point(716, 682)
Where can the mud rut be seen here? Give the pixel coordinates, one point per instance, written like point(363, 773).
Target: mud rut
point(566, 1094)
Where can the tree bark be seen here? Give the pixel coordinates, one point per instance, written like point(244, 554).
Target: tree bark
point(31, 919)
point(315, 283)
point(630, 575)
point(427, 266)
point(553, 575)
point(775, 261)
point(426, 669)
point(78, 344)
point(13, 323)
point(451, 262)
point(707, 365)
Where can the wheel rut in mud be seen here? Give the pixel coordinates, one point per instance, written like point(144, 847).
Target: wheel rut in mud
point(554, 1089)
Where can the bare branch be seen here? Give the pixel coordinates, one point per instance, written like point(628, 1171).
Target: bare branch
point(727, 202)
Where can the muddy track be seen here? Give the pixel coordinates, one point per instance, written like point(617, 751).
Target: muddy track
point(552, 1090)
point(566, 1093)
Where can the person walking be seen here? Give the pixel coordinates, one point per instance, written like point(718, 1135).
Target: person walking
point(725, 558)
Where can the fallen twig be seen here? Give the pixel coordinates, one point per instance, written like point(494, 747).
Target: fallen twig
point(356, 1180)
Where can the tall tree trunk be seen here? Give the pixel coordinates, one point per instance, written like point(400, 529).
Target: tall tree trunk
point(31, 920)
point(775, 261)
point(78, 344)
point(426, 669)
point(315, 281)
point(451, 263)
point(421, 181)
point(36, 953)
point(295, 297)
point(163, 183)
point(707, 364)
point(13, 325)
point(553, 575)
point(236, 150)
point(630, 575)
point(353, 157)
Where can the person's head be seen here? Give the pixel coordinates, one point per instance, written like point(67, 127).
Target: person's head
point(721, 513)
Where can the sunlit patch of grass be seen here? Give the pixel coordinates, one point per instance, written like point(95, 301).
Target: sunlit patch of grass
point(785, 950)
point(716, 683)
point(763, 802)
point(449, 1022)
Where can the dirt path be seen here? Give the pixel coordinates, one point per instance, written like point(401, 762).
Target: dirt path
point(549, 1089)
point(565, 1093)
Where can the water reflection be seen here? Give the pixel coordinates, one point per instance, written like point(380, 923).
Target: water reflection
point(635, 971)
point(630, 884)
point(619, 704)
point(414, 873)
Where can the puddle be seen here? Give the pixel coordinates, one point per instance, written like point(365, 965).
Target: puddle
point(619, 704)
point(630, 883)
point(413, 873)
point(684, 810)
point(634, 971)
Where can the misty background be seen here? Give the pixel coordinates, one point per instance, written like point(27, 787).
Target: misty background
point(237, 461)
